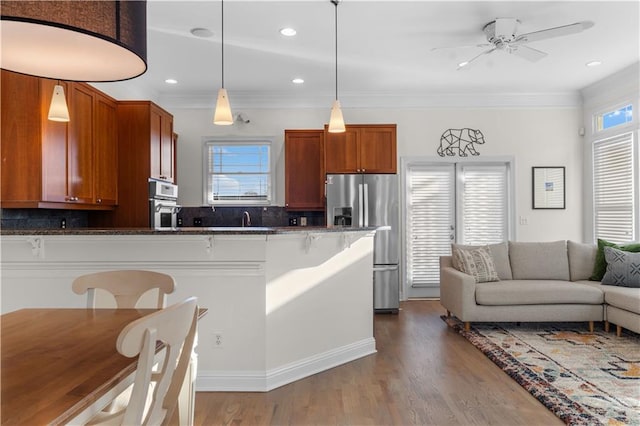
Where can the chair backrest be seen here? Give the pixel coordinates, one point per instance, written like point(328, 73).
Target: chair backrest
point(175, 326)
point(126, 286)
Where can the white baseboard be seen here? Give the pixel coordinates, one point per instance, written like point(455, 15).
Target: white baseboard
point(264, 381)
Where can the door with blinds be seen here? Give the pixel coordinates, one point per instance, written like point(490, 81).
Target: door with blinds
point(465, 203)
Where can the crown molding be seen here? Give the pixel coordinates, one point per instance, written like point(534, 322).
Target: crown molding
point(268, 100)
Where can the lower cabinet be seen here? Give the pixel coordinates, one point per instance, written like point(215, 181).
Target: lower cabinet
point(304, 169)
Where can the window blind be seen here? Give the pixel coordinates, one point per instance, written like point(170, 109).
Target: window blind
point(613, 189)
point(483, 207)
point(237, 172)
point(430, 215)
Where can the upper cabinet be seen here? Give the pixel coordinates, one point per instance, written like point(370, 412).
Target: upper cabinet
point(162, 144)
point(51, 164)
point(146, 150)
point(366, 148)
point(304, 169)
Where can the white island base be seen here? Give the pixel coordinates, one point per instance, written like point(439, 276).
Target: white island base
point(282, 306)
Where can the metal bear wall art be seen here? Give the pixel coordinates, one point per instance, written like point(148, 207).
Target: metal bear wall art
point(460, 141)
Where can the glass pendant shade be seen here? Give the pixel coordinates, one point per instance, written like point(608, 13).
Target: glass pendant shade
point(58, 110)
point(75, 40)
point(336, 122)
point(223, 114)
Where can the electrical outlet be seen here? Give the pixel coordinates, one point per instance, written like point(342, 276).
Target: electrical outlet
point(218, 341)
point(197, 221)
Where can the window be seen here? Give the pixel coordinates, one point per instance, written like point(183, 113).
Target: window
point(467, 203)
point(610, 119)
point(237, 172)
point(614, 189)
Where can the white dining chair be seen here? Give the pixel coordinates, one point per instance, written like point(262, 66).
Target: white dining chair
point(154, 395)
point(126, 286)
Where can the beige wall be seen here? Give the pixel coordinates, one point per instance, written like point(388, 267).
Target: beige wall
point(533, 136)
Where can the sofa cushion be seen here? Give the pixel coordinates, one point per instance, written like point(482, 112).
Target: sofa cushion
point(623, 268)
point(582, 257)
point(500, 255)
point(476, 262)
point(622, 297)
point(600, 267)
point(537, 292)
point(539, 261)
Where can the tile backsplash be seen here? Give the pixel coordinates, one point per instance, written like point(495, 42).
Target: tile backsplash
point(204, 216)
point(43, 218)
point(260, 216)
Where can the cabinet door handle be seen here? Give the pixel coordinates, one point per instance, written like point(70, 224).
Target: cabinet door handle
point(99, 200)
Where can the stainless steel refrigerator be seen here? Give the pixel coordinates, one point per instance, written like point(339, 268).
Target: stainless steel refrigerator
point(358, 200)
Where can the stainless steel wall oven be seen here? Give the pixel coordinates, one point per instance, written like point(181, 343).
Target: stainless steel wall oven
point(163, 204)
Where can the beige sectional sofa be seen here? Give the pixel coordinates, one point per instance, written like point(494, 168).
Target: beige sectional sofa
point(538, 282)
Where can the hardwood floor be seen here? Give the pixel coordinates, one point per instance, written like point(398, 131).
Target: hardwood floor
point(423, 374)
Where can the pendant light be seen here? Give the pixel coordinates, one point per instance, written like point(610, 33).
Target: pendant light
point(76, 40)
point(58, 110)
point(222, 116)
point(336, 121)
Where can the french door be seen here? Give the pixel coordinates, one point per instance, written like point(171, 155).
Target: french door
point(465, 203)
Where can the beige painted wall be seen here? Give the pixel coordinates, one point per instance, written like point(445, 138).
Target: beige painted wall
point(533, 136)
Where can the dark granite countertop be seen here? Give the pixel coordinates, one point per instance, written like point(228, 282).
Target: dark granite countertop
point(256, 230)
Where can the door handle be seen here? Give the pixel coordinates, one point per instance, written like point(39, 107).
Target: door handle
point(360, 212)
point(366, 204)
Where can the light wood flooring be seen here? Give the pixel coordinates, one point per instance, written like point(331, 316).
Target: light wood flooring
point(424, 373)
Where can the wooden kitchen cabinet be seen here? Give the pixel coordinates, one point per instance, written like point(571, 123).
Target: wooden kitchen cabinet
point(106, 152)
point(366, 148)
point(146, 149)
point(304, 169)
point(161, 140)
point(47, 164)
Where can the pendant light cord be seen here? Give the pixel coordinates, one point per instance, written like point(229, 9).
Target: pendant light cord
point(222, 37)
point(335, 2)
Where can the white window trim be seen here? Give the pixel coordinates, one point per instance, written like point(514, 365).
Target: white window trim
point(591, 110)
point(612, 131)
point(406, 162)
point(239, 141)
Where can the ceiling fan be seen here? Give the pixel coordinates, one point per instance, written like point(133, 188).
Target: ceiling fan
point(502, 35)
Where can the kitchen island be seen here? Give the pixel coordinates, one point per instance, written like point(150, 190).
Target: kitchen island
point(284, 303)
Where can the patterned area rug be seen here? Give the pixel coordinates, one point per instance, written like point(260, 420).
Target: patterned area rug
point(583, 378)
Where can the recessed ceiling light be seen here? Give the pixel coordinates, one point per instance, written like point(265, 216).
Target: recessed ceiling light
point(171, 81)
point(297, 81)
point(593, 63)
point(201, 32)
point(289, 32)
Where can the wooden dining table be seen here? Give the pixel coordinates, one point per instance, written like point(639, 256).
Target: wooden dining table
point(61, 366)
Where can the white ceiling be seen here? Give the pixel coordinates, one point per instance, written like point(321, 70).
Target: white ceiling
point(384, 52)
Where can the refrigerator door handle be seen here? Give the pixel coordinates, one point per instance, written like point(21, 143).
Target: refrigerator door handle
point(385, 268)
point(366, 204)
point(361, 207)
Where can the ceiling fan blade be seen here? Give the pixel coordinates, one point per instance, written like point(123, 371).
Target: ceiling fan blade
point(466, 64)
point(528, 53)
point(460, 47)
point(553, 32)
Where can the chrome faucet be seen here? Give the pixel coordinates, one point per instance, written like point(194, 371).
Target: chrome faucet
point(246, 219)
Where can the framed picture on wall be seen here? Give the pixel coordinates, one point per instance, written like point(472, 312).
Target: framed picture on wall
point(548, 187)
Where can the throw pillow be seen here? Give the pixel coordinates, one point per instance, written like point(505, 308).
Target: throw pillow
point(477, 263)
point(499, 254)
point(623, 268)
point(600, 267)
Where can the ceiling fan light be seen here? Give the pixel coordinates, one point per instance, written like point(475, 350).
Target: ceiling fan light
point(336, 121)
point(58, 110)
point(223, 116)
